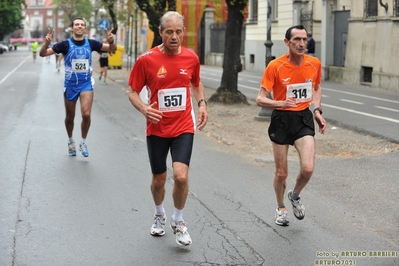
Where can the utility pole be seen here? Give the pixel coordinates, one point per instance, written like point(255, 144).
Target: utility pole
point(129, 43)
point(265, 113)
point(135, 34)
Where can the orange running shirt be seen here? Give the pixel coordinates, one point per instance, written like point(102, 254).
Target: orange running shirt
point(168, 79)
point(281, 77)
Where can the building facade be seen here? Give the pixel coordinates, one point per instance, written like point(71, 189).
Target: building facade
point(372, 46)
point(355, 39)
point(39, 16)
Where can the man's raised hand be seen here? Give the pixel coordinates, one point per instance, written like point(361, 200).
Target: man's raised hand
point(49, 35)
point(110, 35)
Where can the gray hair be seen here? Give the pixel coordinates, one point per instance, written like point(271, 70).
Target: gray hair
point(167, 16)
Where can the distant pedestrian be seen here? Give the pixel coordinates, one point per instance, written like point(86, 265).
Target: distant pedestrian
point(311, 46)
point(77, 53)
point(34, 46)
point(171, 73)
point(103, 64)
point(294, 79)
point(58, 59)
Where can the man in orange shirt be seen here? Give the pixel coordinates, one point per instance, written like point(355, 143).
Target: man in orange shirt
point(294, 80)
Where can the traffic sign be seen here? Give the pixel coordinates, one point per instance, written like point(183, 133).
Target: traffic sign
point(103, 24)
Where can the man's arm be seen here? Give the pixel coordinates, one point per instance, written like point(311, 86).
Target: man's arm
point(264, 100)
point(46, 50)
point(110, 46)
point(153, 115)
point(199, 94)
point(318, 113)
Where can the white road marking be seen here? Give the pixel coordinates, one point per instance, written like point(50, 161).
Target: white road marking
point(388, 109)
point(362, 113)
point(360, 95)
point(12, 71)
point(349, 101)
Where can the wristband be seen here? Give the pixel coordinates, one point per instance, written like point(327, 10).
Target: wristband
point(318, 109)
point(200, 101)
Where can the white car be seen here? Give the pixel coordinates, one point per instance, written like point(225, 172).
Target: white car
point(3, 48)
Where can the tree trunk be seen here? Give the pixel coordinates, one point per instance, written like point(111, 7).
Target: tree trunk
point(228, 91)
point(110, 5)
point(154, 13)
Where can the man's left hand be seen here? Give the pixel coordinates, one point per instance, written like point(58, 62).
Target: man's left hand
point(321, 122)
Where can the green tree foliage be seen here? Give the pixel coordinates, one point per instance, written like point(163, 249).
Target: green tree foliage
point(73, 9)
point(10, 16)
point(155, 10)
point(228, 91)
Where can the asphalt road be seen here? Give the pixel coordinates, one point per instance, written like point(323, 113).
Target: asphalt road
point(61, 210)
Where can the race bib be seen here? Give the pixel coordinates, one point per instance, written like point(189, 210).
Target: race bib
point(301, 91)
point(171, 100)
point(80, 65)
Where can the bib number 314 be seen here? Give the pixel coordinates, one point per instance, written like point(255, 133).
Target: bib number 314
point(301, 91)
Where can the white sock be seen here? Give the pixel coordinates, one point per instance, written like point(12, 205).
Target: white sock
point(71, 140)
point(83, 141)
point(159, 209)
point(177, 215)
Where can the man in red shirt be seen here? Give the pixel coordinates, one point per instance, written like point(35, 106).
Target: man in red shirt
point(168, 71)
point(294, 79)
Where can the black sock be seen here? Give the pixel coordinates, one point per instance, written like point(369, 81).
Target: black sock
point(295, 196)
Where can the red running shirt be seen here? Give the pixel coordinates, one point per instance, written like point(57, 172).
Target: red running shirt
point(281, 76)
point(168, 79)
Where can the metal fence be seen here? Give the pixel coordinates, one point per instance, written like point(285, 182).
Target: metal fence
point(218, 34)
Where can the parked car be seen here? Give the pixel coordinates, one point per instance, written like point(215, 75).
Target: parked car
point(8, 45)
point(3, 48)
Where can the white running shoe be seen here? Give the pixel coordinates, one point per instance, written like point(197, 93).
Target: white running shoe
point(71, 148)
point(180, 230)
point(158, 227)
point(282, 217)
point(298, 208)
point(83, 150)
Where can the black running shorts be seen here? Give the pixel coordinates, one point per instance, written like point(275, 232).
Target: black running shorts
point(288, 126)
point(180, 149)
point(103, 62)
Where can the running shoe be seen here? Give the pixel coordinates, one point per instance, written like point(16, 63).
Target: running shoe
point(180, 230)
point(105, 83)
point(298, 208)
point(158, 227)
point(71, 148)
point(282, 217)
point(83, 150)
point(99, 78)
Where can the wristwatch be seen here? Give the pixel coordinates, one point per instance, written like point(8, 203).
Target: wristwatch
point(200, 101)
point(318, 109)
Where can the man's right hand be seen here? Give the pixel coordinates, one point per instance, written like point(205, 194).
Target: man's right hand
point(289, 102)
point(153, 115)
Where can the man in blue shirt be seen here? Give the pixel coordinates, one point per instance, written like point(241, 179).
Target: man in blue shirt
point(77, 85)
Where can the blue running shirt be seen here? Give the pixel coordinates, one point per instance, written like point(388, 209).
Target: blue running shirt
point(78, 65)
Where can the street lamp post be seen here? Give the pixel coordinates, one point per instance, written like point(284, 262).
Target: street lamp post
point(265, 113)
point(129, 46)
point(135, 34)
